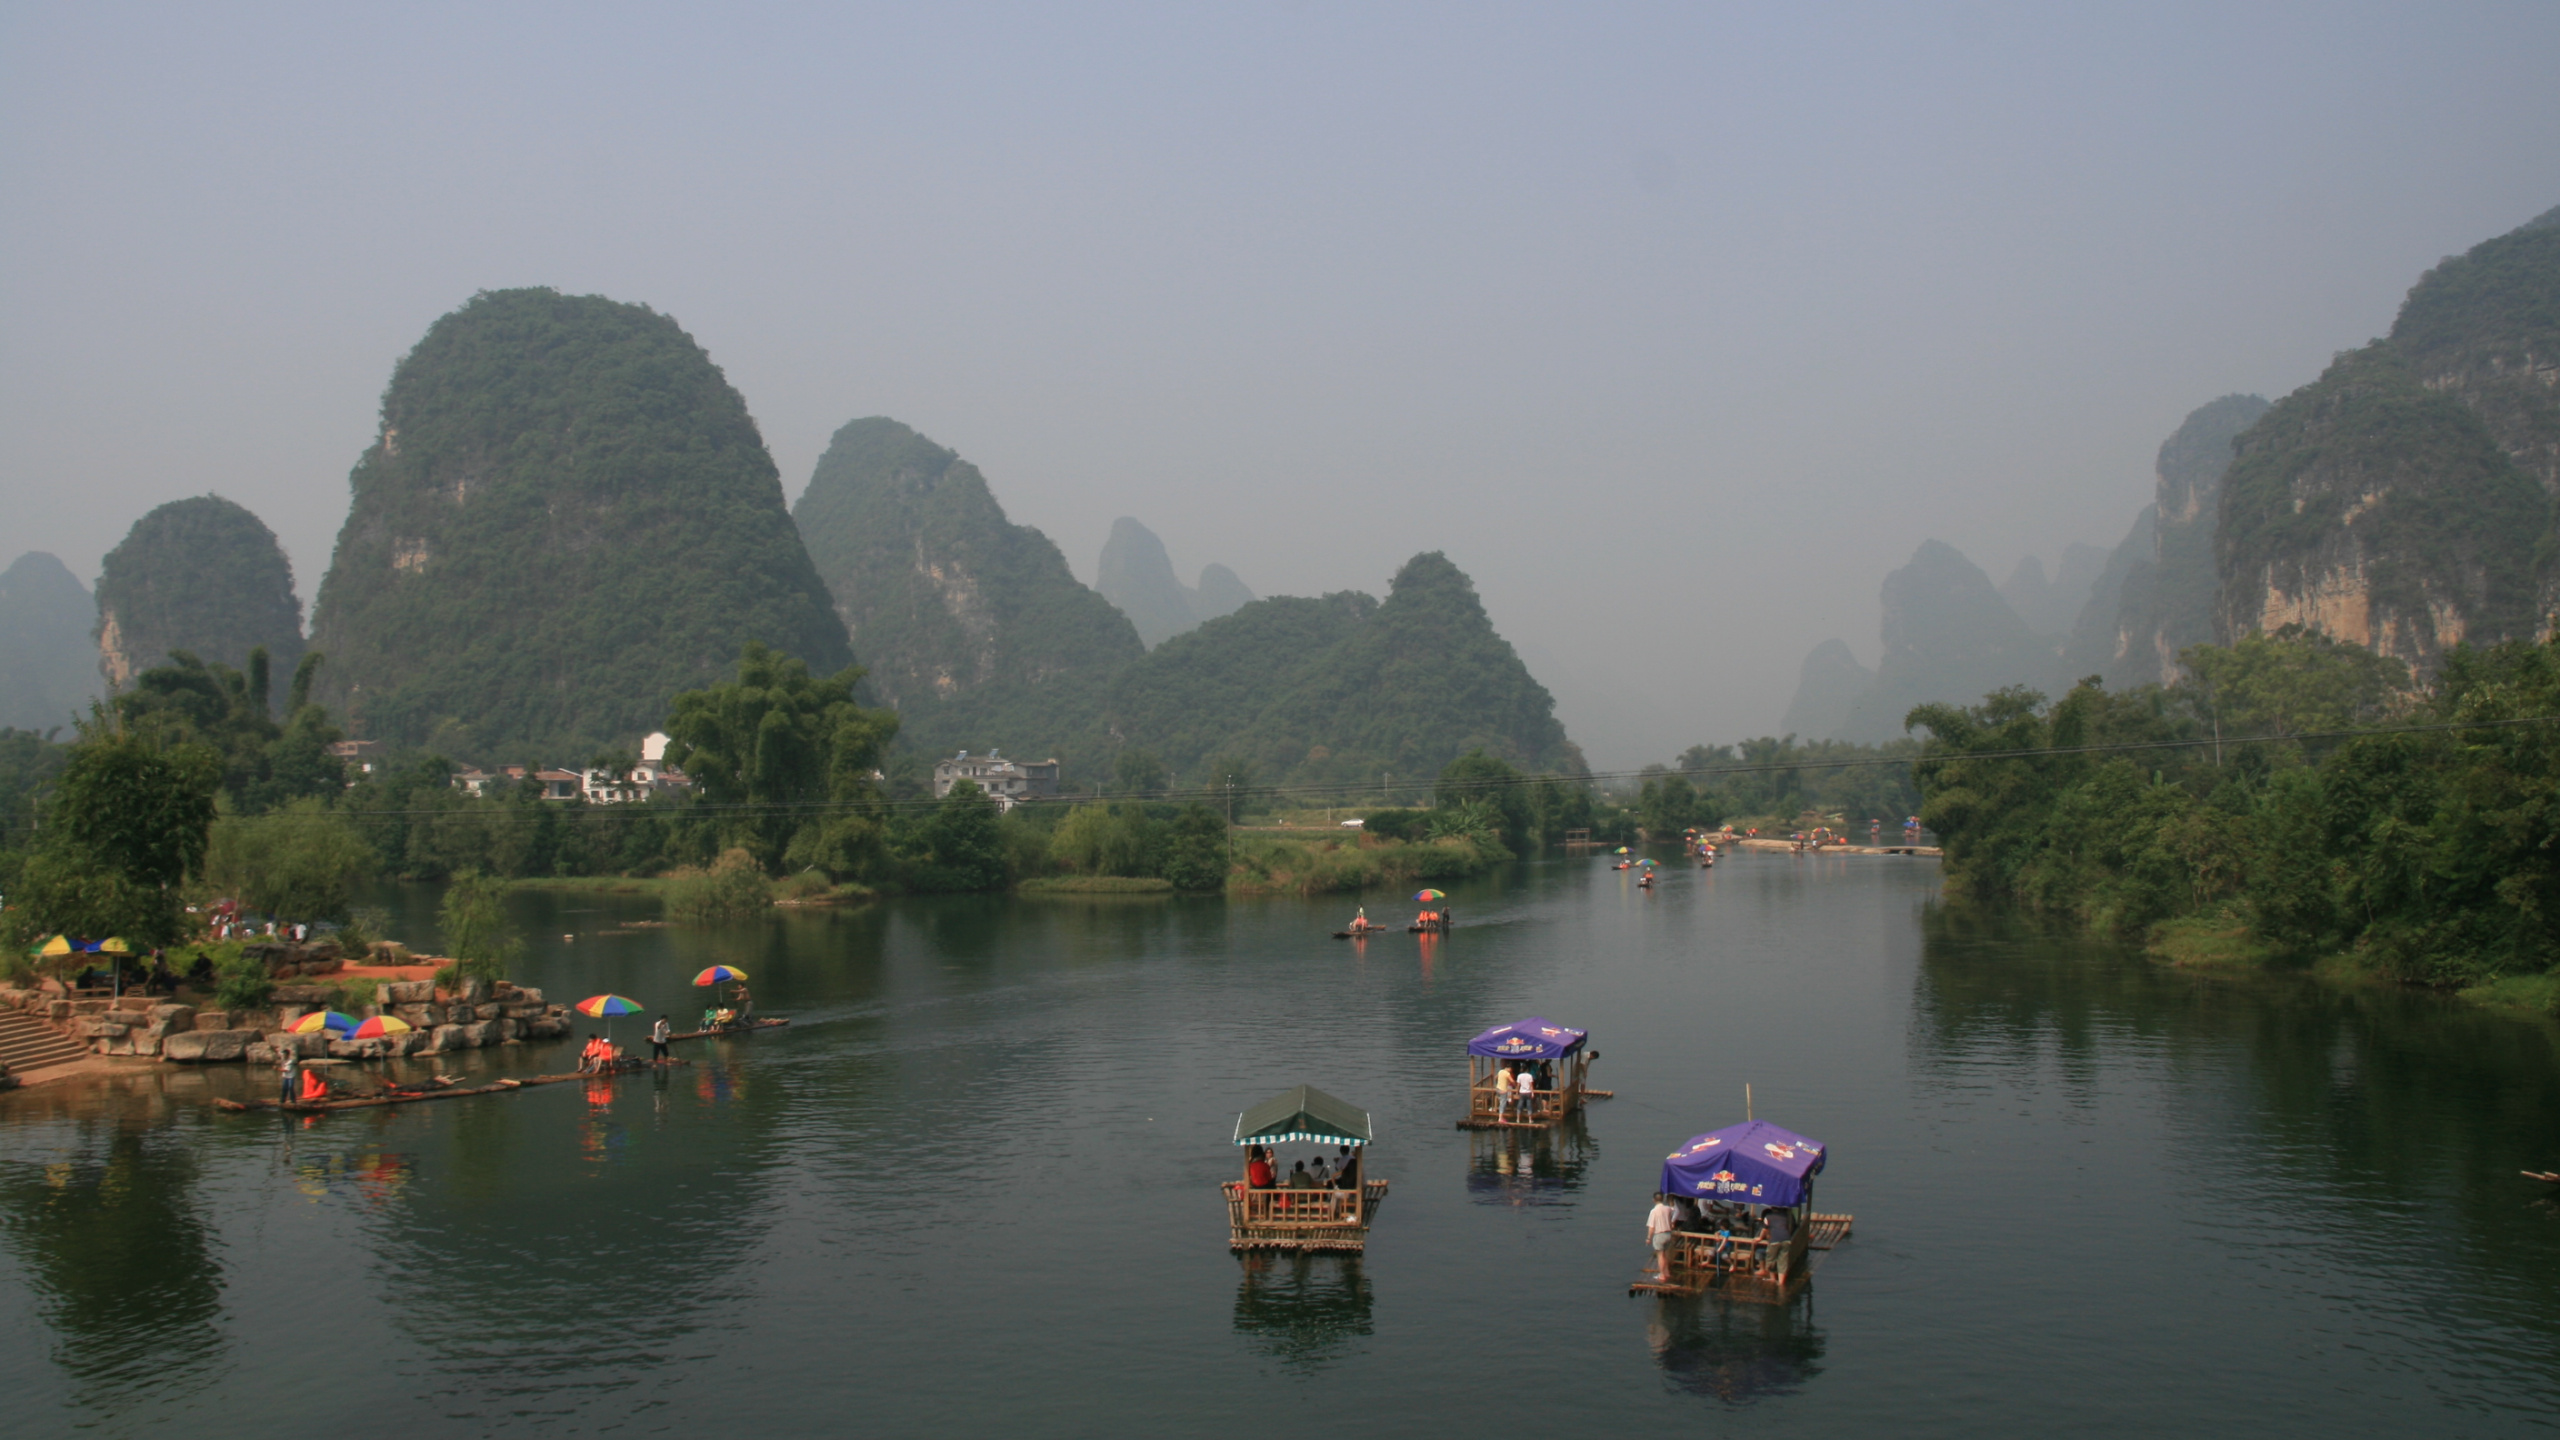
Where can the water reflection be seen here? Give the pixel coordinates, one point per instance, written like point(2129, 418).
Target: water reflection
point(1303, 1310)
point(1736, 1351)
point(1520, 1168)
point(106, 1228)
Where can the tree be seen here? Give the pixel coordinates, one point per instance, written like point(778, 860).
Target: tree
point(1139, 772)
point(124, 827)
point(474, 920)
point(1196, 850)
point(779, 745)
point(298, 863)
point(960, 846)
point(1482, 780)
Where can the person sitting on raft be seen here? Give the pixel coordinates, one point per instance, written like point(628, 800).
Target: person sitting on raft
point(314, 1089)
point(1361, 924)
point(1257, 1170)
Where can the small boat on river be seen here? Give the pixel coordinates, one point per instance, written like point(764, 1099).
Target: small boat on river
point(1270, 1209)
point(1742, 1221)
point(1557, 1060)
point(731, 1027)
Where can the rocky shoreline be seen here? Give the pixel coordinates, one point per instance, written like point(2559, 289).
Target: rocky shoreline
point(471, 1016)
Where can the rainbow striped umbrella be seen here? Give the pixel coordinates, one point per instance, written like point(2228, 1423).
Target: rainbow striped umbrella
point(605, 1007)
point(1432, 895)
point(380, 1027)
point(335, 1022)
point(719, 974)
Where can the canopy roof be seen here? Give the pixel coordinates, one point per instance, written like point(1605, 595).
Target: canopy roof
point(1305, 1113)
point(1530, 1039)
point(1754, 1162)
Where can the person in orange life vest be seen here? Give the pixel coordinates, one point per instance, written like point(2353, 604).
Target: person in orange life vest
point(313, 1087)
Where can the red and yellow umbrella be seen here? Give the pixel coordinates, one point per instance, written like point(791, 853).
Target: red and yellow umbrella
point(380, 1027)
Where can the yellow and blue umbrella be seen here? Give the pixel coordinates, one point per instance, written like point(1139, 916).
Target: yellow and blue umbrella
point(719, 974)
point(59, 945)
point(336, 1022)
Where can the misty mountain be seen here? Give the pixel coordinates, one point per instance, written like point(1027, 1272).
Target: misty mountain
point(940, 592)
point(1827, 689)
point(1948, 636)
point(48, 662)
point(2165, 596)
point(2050, 606)
point(2092, 647)
point(2404, 500)
point(1137, 576)
point(201, 575)
point(567, 517)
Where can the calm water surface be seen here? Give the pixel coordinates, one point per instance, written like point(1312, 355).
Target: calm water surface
point(971, 1190)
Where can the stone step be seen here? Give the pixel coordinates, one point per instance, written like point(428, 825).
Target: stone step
point(29, 1044)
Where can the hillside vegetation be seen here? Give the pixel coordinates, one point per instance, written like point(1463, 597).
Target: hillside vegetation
point(567, 518)
point(203, 576)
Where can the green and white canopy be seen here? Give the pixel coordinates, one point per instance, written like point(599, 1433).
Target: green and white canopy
point(1305, 1113)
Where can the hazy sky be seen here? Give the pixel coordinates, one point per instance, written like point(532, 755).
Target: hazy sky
point(1676, 327)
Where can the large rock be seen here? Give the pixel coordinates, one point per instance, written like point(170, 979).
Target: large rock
point(213, 1020)
point(226, 1046)
point(548, 1027)
point(447, 1037)
point(485, 1032)
point(263, 1053)
point(409, 992)
point(173, 1019)
point(418, 1017)
point(305, 994)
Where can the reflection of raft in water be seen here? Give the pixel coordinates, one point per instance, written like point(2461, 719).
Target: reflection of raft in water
point(405, 1094)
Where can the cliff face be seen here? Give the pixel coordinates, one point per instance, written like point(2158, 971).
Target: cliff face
point(1948, 636)
point(1137, 576)
point(2398, 501)
point(2166, 596)
point(48, 664)
point(941, 593)
point(200, 575)
point(567, 518)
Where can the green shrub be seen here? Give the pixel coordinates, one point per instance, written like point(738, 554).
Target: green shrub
point(239, 980)
point(733, 888)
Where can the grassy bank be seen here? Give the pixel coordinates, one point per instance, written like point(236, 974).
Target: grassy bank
point(1328, 865)
point(1095, 885)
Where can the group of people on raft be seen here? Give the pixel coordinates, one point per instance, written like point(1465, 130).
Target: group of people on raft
point(1766, 1228)
point(1262, 1170)
point(1516, 1087)
point(1361, 924)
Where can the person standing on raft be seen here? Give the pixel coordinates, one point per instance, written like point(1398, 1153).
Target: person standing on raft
point(658, 1034)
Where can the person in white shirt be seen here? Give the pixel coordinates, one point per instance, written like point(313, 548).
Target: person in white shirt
point(1657, 1233)
point(1319, 1169)
point(1527, 1081)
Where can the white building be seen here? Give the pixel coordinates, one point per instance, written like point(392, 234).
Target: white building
point(1010, 782)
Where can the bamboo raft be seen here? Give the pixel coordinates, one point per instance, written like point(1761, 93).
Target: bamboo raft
point(1558, 1048)
point(2547, 1177)
point(1696, 1268)
point(768, 1023)
point(1301, 1220)
point(403, 1096)
point(1545, 1120)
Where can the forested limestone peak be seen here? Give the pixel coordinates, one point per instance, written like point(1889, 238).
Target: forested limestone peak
point(567, 518)
point(2399, 501)
point(1947, 633)
point(941, 593)
point(201, 575)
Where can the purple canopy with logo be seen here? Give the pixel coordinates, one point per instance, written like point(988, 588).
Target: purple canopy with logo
point(1753, 1163)
point(1530, 1039)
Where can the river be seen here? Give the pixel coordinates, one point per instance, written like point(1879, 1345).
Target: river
point(970, 1190)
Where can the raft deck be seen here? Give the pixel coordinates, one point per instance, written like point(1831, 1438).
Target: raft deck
point(768, 1023)
point(1303, 1220)
point(1696, 1268)
point(405, 1096)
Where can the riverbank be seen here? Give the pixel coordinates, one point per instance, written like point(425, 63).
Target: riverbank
point(2223, 943)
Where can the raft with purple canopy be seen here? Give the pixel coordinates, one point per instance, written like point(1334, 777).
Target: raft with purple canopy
point(1557, 1060)
point(1746, 1225)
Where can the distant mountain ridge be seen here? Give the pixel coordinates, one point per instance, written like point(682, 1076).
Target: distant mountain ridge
point(1342, 689)
point(48, 662)
point(940, 593)
point(1137, 575)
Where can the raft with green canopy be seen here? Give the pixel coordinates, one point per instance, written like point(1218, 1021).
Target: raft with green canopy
point(1279, 1204)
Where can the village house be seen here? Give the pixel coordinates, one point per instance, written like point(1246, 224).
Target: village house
point(652, 777)
point(361, 757)
point(1010, 782)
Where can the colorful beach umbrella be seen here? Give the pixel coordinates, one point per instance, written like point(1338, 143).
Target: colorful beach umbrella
point(719, 974)
point(333, 1021)
point(1432, 895)
point(1621, 850)
point(605, 1007)
point(59, 945)
point(381, 1026)
point(113, 945)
